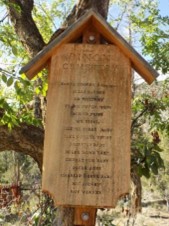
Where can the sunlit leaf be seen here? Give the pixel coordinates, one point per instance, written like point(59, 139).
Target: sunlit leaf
point(4, 78)
point(10, 81)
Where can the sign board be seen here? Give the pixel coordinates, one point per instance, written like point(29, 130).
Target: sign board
point(87, 136)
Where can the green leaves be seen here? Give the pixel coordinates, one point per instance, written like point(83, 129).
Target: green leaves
point(154, 37)
point(41, 90)
point(16, 101)
point(14, 50)
point(150, 124)
point(7, 117)
point(146, 157)
point(9, 81)
point(4, 78)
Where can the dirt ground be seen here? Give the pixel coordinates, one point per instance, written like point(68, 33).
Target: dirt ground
point(150, 216)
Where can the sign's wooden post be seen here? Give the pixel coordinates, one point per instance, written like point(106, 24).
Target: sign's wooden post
point(85, 216)
point(87, 136)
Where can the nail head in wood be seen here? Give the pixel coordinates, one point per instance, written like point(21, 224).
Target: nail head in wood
point(91, 36)
point(92, 39)
point(85, 216)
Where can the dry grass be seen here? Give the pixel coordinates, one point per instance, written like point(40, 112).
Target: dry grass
point(150, 216)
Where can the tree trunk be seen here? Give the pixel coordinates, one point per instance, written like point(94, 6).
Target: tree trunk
point(136, 193)
point(20, 12)
point(82, 6)
point(167, 202)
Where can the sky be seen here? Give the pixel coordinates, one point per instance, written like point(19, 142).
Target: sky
point(164, 7)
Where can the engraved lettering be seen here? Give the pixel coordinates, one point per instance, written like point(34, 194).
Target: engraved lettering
point(92, 192)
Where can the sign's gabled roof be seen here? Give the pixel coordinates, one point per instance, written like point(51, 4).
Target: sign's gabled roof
point(73, 32)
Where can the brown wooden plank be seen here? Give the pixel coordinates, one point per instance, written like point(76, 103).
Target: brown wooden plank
point(85, 216)
point(87, 136)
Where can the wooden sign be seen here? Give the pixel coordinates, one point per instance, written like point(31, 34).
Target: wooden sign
point(87, 136)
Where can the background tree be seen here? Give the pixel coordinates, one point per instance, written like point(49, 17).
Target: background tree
point(22, 110)
point(29, 138)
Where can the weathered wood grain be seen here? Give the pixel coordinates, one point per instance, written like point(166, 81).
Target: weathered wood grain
point(87, 137)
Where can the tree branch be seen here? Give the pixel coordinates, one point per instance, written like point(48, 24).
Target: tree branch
point(20, 12)
point(79, 9)
point(26, 139)
point(136, 119)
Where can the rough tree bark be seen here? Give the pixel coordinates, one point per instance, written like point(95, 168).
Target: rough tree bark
point(20, 13)
point(136, 192)
point(26, 139)
point(83, 5)
point(23, 139)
